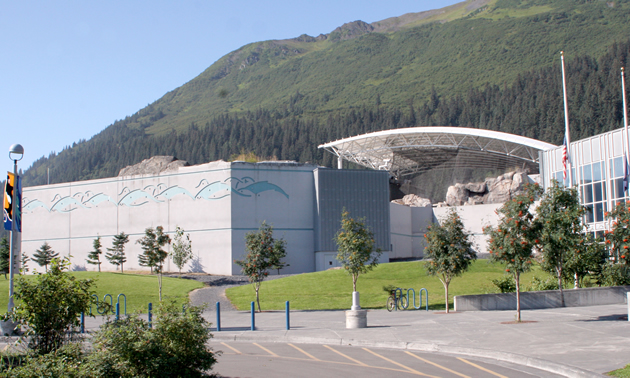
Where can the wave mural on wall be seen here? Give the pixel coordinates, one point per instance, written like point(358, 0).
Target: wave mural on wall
point(205, 190)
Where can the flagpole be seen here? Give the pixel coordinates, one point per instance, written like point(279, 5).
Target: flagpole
point(625, 121)
point(566, 121)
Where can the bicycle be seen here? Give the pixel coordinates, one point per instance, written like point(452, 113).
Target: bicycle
point(401, 301)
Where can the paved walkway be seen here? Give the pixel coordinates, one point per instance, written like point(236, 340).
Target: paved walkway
point(577, 341)
point(574, 342)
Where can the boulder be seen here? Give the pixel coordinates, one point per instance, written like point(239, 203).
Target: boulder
point(153, 166)
point(413, 200)
point(456, 195)
point(492, 190)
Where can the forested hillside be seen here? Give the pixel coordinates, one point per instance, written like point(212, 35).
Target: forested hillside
point(491, 65)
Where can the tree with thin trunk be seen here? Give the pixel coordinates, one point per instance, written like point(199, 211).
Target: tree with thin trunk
point(116, 255)
point(512, 241)
point(449, 250)
point(44, 255)
point(357, 252)
point(94, 256)
point(153, 255)
point(559, 218)
point(182, 249)
point(259, 247)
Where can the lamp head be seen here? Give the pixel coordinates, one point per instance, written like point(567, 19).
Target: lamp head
point(16, 152)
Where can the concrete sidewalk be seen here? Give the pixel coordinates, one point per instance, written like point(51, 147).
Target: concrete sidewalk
point(577, 341)
point(574, 342)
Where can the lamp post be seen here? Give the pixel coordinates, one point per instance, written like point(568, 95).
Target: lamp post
point(16, 152)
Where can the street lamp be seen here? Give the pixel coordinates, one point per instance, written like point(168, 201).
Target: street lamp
point(16, 152)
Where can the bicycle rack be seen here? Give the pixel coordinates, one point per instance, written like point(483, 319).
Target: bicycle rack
point(426, 297)
point(116, 309)
point(398, 296)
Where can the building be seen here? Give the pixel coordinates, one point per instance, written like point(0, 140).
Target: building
point(217, 203)
point(597, 170)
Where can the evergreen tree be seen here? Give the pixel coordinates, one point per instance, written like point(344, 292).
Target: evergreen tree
point(5, 256)
point(44, 255)
point(94, 256)
point(116, 254)
point(449, 250)
point(153, 255)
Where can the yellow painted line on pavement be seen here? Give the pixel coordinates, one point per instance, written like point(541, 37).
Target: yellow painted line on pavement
point(234, 349)
point(266, 350)
point(482, 368)
point(398, 364)
point(307, 354)
point(437, 365)
point(348, 357)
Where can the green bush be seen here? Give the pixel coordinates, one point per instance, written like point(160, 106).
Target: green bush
point(505, 284)
point(67, 361)
point(614, 274)
point(49, 306)
point(174, 347)
point(538, 284)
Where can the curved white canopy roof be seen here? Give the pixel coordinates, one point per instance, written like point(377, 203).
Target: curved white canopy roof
point(420, 149)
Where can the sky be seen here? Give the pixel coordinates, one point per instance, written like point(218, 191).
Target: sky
point(69, 69)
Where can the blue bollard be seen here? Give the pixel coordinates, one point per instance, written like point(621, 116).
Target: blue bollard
point(82, 322)
point(253, 319)
point(287, 314)
point(218, 317)
point(150, 315)
point(117, 310)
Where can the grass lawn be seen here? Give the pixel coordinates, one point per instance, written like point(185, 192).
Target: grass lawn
point(332, 289)
point(621, 373)
point(140, 289)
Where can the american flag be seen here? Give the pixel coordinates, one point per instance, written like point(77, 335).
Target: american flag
point(565, 158)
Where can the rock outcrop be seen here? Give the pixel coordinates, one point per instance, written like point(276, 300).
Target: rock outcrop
point(493, 190)
point(413, 200)
point(153, 166)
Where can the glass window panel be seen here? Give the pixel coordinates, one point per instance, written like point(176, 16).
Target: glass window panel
point(597, 172)
point(588, 193)
point(589, 214)
point(595, 145)
point(599, 212)
point(586, 151)
point(586, 175)
point(618, 163)
point(597, 192)
point(617, 188)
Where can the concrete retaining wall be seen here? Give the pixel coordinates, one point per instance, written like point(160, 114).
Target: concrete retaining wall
point(531, 300)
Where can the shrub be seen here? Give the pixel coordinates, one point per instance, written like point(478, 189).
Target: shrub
point(174, 347)
point(505, 284)
point(614, 274)
point(539, 284)
point(67, 361)
point(49, 306)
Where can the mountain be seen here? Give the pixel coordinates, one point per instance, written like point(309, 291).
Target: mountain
point(481, 63)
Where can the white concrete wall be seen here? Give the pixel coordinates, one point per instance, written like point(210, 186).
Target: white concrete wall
point(475, 219)
point(217, 203)
point(408, 225)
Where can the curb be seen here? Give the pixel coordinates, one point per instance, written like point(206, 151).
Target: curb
point(517, 359)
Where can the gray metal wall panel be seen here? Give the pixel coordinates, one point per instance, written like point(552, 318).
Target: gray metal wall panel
point(365, 194)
